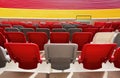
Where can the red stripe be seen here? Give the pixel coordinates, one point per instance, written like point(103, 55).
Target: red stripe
point(60, 4)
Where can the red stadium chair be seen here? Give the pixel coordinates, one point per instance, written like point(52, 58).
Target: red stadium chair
point(93, 30)
point(26, 54)
point(46, 30)
point(59, 37)
point(5, 26)
point(2, 31)
point(93, 55)
point(2, 40)
point(82, 38)
point(106, 29)
point(55, 26)
point(15, 37)
point(116, 58)
point(39, 38)
point(99, 24)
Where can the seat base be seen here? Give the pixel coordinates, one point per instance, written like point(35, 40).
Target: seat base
point(92, 66)
point(28, 65)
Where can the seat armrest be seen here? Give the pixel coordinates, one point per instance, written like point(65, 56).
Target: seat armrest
point(40, 61)
point(79, 59)
point(8, 59)
point(105, 60)
point(111, 59)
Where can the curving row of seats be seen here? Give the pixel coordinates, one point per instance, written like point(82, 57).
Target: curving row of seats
point(114, 25)
point(60, 24)
point(61, 55)
point(61, 51)
point(46, 30)
point(52, 26)
point(62, 59)
point(80, 38)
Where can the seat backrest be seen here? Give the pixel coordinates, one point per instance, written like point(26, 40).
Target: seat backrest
point(2, 40)
point(46, 30)
point(11, 30)
point(2, 31)
point(60, 55)
point(73, 30)
point(93, 55)
point(5, 26)
point(26, 54)
point(104, 37)
point(3, 58)
point(58, 30)
point(26, 30)
point(106, 29)
point(99, 24)
point(17, 26)
point(117, 39)
point(93, 30)
point(15, 37)
point(81, 38)
point(59, 37)
point(116, 59)
point(39, 38)
point(67, 26)
point(54, 26)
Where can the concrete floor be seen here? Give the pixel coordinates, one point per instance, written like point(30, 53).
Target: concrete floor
point(44, 70)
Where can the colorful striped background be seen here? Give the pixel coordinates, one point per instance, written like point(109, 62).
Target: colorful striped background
point(59, 8)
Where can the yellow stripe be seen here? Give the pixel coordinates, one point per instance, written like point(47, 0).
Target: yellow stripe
point(45, 13)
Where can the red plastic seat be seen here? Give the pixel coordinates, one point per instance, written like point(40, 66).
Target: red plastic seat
point(93, 55)
point(82, 38)
point(39, 38)
point(116, 58)
point(5, 22)
point(106, 29)
point(2, 40)
point(82, 27)
point(115, 25)
point(99, 24)
point(43, 26)
point(2, 31)
point(107, 25)
point(26, 54)
point(93, 30)
point(59, 37)
point(5, 26)
point(15, 37)
point(55, 26)
point(30, 25)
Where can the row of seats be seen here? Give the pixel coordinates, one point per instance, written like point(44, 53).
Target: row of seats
point(63, 29)
point(61, 55)
point(65, 26)
point(80, 38)
point(50, 24)
point(47, 31)
point(114, 25)
point(48, 28)
point(67, 52)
